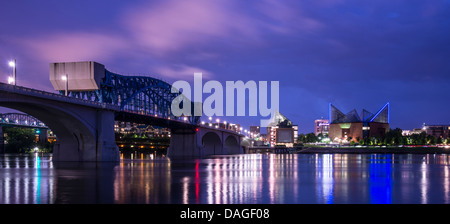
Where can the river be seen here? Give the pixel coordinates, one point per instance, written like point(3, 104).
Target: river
point(234, 179)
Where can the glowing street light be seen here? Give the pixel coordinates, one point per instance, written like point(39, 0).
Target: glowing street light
point(10, 80)
point(66, 79)
point(13, 65)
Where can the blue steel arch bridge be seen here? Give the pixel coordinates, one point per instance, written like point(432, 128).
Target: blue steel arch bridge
point(135, 95)
point(21, 120)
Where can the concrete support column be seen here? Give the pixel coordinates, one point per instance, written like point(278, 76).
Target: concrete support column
point(43, 136)
point(2, 141)
point(183, 143)
point(98, 145)
point(106, 148)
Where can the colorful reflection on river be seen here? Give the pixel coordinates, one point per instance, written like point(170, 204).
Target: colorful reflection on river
point(237, 179)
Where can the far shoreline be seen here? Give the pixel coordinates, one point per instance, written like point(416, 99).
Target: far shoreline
point(373, 150)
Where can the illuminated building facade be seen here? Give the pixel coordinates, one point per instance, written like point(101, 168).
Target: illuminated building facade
point(353, 127)
point(321, 126)
point(438, 131)
point(141, 129)
point(281, 131)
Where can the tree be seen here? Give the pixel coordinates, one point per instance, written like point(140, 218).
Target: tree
point(19, 140)
point(301, 138)
point(308, 138)
point(311, 137)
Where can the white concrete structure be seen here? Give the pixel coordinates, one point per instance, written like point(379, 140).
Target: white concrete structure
point(82, 76)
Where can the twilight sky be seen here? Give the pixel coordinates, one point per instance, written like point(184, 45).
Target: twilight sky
point(355, 54)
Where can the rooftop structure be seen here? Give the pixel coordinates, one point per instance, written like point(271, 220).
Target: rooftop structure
point(353, 126)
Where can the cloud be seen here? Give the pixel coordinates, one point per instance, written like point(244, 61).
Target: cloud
point(173, 26)
point(75, 46)
point(181, 71)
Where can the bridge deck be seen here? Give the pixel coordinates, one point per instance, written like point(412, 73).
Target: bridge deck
point(54, 96)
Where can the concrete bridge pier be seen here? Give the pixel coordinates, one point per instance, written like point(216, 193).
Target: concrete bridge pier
point(2, 141)
point(183, 143)
point(81, 146)
point(43, 136)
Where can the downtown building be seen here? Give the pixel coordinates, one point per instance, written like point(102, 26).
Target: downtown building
point(349, 127)
point(321, 126)
point(281, 131)
point(436, 130)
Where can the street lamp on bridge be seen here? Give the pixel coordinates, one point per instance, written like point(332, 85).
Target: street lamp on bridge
point(13, 65)
point(66, 79)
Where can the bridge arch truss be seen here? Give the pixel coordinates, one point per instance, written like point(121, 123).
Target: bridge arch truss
point(135, 94)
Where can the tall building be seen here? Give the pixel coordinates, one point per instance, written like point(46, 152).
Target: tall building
point(321, 126)
point(353, 127)
point(281, 131)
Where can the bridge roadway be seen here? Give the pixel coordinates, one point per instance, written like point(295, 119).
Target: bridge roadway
point(85, 129)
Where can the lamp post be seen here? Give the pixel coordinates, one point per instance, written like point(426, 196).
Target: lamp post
point(66, 78)
point(13, 65)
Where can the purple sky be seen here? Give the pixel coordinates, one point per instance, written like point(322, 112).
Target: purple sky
point(354, 54)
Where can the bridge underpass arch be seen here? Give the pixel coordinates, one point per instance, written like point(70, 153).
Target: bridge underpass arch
point(212, 145)
point(232, 145)
point(76, 139)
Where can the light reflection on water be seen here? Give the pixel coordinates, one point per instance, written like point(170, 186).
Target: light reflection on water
point(237, 179)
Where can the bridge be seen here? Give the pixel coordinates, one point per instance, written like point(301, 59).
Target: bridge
point(22, 121)
point(91, 98)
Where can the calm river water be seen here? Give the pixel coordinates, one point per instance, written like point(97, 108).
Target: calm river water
point(237, 179)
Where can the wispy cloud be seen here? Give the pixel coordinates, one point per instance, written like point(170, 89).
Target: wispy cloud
point(181, 71)
point(75, 46)
point(172, 26)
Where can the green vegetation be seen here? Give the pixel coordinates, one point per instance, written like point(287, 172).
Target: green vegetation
point(392, 138)
point(23, 140)
point(312, 138)
point(19, 140)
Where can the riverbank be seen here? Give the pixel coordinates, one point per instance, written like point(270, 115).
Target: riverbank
point(369, 150)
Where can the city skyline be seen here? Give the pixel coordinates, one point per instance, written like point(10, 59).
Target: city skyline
point(350, 53)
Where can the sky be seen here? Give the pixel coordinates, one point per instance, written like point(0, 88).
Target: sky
point(351, 53)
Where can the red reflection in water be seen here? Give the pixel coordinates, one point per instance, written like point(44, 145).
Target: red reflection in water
point(197, 182)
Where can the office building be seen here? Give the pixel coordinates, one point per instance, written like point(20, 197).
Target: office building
point(321, 126)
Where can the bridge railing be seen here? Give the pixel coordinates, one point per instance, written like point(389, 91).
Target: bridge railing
point(54, 96)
